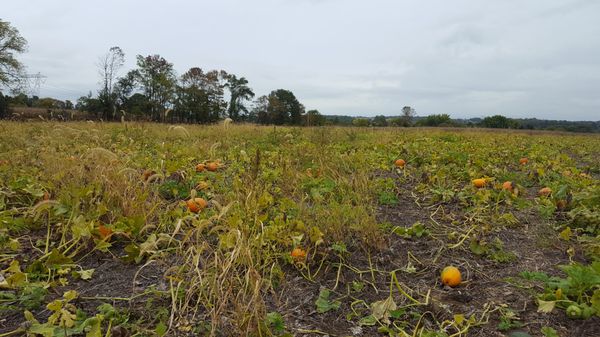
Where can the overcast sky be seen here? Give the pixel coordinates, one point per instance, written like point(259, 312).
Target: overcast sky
point(534, 58)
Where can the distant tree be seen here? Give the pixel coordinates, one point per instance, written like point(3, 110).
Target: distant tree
point(157, 80)
point(137, 105)
point(361, 122)
point(258, 113)
point(379, 121)
point(282, 108)
point(68, 105)
point(11, 42)
point(313, 117)
point(399, 121)
point(499, 122)
point(89, 104)
point(436, 120)
point(108, 67)
point(200, 96)
point(239, 91)
point(408, 114)
point(3, 106)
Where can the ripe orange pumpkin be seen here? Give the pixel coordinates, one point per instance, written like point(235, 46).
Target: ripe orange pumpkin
point(544, 192)
point(479, 183)
point(104, 231)
point(212, 166)
point(200, 168)
point(507, 186)
point(451, 276)
point(298, 254)
point(196, 205)
point(400, 163)
point(523, 160)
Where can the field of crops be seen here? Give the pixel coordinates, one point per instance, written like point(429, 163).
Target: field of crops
point(157, 230)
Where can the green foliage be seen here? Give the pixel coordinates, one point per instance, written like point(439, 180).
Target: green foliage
point(578, 293)
point(324, 304)
point(499, 122)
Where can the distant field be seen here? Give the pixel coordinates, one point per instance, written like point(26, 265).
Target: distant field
point(300, 231)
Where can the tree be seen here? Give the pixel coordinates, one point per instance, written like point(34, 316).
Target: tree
point(407, 115)
point(109, 64)
point(238, 92)
point(313, 117)
point(282, 108)
point(380, 121)
point(157, 80)
point(259, 112)
point(3, 106)
point(200, 96)
point(436, 120)
point(499, 122)
point(11, 42)
point(361, 122)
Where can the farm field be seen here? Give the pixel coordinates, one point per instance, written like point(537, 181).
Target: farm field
point(142, 229)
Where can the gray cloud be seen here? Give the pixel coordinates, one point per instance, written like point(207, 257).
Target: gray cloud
point(468, 58)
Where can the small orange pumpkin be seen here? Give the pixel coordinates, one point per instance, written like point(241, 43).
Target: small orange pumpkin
point(451, 276)
point(196, 205)
point(200, 167)
point(545, 192)
point(523, 160)
point(298, 254)
point(212, 166)
point(508, 186)
point(400, 163)
point(479, 183)
point(104, 231)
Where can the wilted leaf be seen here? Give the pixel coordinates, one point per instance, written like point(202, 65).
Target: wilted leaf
point(381, 309)
point(546, 306)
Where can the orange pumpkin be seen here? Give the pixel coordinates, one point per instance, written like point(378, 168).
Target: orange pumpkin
point(400, 163)
point(196, 205)
point(523, 160)
point(104, 231)
point(212, 166)
point(544, 192)
point(451, 276)
point(507, 186)
point(200, 168)
point(479, 183)
point(298, 254)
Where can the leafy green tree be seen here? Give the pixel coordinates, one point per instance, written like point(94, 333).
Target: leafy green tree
point(499, 122)
point(200, 96)
point(313, 117)
point(157, 79)
point(11, 43)
point(361, 121)
point(379, 121)
point(436, 120)
point(283, 108)
point(239, 91)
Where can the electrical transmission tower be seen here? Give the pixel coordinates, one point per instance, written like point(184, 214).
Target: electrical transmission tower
point(33, 82)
